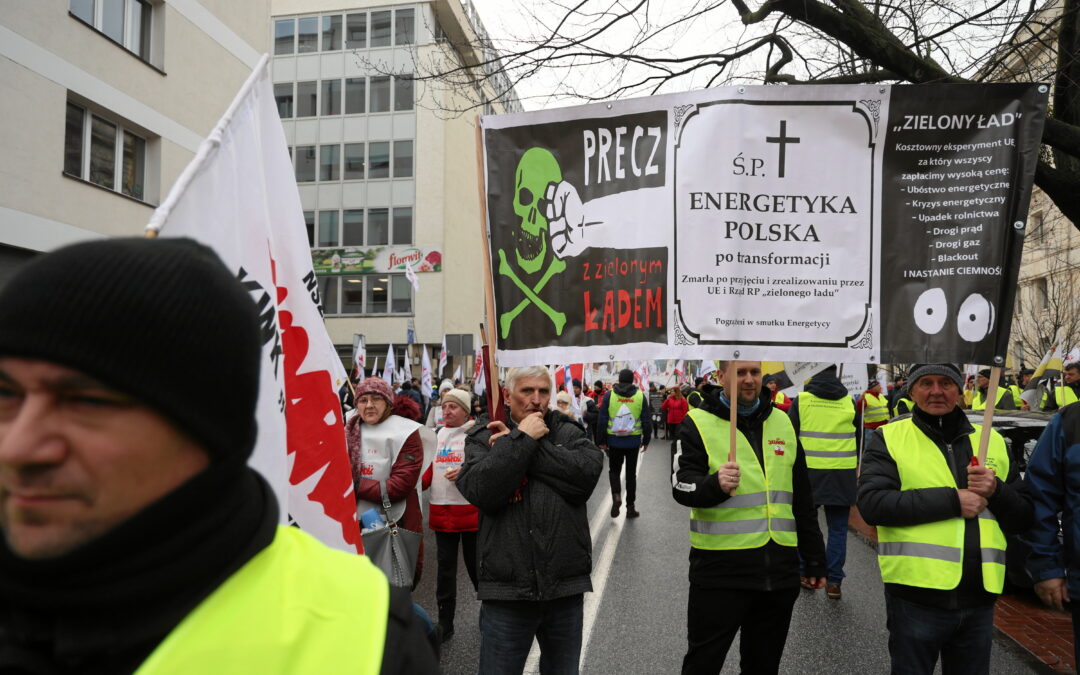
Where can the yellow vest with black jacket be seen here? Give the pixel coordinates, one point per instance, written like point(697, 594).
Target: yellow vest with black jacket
point(979, 403)
point(930, 555)
point(827, 432)
point(875, 409)
point(634, 404)
point(295, 607)
point(761, 509)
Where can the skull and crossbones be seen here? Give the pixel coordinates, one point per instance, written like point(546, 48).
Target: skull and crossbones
point(536, 171)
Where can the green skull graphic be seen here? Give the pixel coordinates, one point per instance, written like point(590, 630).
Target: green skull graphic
point(537, 168)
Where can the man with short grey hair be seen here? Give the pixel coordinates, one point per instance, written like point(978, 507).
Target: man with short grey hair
point(531, 478)
point(941, 524)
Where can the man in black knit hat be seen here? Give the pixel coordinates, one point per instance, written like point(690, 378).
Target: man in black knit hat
point(941, 524)
point(135, 536)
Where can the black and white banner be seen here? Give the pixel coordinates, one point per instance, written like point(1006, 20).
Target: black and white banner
point(853, 224)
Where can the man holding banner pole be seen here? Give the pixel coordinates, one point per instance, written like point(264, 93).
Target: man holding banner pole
point(941, 520)
point(739, 579)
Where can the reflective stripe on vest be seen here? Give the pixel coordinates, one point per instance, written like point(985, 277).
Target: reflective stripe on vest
point(827, 432)
point(930, 555)
point(875, 409)
point(296, 607)
point(635, 403)
point(761, 507)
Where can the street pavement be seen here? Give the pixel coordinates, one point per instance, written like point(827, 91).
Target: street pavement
point(635, 620)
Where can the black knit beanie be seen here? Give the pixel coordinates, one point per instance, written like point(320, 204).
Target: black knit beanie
point(162, 320)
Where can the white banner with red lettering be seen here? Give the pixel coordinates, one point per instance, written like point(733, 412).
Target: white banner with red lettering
point(238, 196)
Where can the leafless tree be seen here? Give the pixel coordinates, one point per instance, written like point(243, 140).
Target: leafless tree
point(1048, 311)
point(604, 49)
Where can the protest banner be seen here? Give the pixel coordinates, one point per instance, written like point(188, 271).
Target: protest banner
point(837, 224)
point(239, 197)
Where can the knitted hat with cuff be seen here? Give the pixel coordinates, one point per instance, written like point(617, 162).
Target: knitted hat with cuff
point(161, 320)
point(949, 370)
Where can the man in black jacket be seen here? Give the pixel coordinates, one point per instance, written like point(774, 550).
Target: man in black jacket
point(739, 579)
point(941, 526)
point(827, 425)
point(531, 479)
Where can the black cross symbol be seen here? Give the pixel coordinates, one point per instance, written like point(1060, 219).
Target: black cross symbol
point(783, 139)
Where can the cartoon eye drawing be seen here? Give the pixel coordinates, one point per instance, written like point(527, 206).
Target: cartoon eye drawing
point(931, 311)
point(975, 318)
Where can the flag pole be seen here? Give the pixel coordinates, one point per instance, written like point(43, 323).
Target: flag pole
point(487, 328)
point(988, 413)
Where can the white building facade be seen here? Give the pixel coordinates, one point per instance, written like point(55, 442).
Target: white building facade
point(387, 172)
point(104, 103)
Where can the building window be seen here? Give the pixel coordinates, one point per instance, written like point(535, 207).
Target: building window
point(1035, 225)
point(354, 161)
point(328, 228)
point(355, 95)
point(284, 36)
point(305, 163)
point(283, 94)
point(329, 162)
point(404, 27)
point(403, 93)
point(125, 22)
point(379, 159)
point(307, 37)
point(309, 225)
point(331, 97)
point(400, 294)
point(356, 31)
point(352, 295)
point(73, 146)
point(378, 227)
point(306, 93)
point(331, 33)
point(352, 227)
point(380, 29)
point(403, 159)
point(1042, 294)
point(104, 152)
point(403, 225)
point(380, 94)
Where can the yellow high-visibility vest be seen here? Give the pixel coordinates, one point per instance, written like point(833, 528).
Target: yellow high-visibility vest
point(979, 403)
point(875, 409)
point(827, 432)
point(635, 404)
point(296, 607)
point(931, 555)
point(760, 510)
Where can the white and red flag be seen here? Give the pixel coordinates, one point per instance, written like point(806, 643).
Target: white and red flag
point(358, 361)
point(443, 355)
point(479, 374)
point(239, 197)
point(389, 367)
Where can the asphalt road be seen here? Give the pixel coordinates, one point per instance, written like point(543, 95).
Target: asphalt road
point(635, 620)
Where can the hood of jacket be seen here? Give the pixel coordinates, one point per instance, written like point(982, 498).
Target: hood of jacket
point(826, 385)
point(625, 389)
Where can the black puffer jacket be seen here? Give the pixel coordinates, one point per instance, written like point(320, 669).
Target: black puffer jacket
point(534, 541)
point(882, 502)
point(767, 568)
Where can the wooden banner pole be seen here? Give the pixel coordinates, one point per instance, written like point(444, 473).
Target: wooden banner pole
point(733, 400)
point(488, 328)
point(988, 414)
